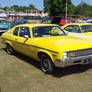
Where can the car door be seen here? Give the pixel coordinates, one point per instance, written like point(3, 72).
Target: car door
point(15, 37)
point(23, 41)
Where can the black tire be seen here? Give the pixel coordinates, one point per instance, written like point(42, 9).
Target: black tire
point(9, 49)
point(46, 64)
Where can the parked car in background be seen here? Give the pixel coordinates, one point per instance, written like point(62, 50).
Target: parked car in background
point(81, 29)
point(46, 20)
point(89, 21)
point(33, 19)
point(4, 25)
point(18, 21)
point(48, 44)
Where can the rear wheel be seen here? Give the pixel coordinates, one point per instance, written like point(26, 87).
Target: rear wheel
point(46, 64)
point(9, 49)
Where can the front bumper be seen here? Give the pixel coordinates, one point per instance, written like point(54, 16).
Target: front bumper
point(2, 31)
point(73, 61)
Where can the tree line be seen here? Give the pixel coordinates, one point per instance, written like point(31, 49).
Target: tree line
point(58, 8)
point(20, 8)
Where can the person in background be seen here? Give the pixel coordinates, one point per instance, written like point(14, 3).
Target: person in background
point(63, 22)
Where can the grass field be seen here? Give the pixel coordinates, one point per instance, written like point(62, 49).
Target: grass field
point(19, 73)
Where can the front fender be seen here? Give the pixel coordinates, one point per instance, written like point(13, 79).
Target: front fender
point(50, 54)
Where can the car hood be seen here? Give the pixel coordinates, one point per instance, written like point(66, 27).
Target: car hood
point(64, 43)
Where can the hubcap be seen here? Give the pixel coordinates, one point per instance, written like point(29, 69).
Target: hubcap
point(45, 64)
point(9, 49)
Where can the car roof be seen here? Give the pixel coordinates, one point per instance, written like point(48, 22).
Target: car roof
point(79, 24)
point(76, 24)
point(35, 25)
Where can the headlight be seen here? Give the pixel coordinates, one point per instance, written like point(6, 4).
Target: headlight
point(65, 55)
point(69, 54)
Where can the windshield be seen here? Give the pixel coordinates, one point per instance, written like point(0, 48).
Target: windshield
point(3, 22)
point(45, 31)
point(86, 28)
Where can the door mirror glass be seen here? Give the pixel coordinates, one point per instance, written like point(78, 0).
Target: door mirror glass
point(66, 33)
point(26, 36)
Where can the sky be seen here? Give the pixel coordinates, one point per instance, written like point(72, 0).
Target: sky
point(38, 3)
point(76, 2)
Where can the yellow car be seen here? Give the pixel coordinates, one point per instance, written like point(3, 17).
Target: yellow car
point(48, 44)
point(79, 28)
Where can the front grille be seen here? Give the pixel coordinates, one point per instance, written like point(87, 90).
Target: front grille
point(83, 52)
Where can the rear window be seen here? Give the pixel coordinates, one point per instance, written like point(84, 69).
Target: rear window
point(86, 28)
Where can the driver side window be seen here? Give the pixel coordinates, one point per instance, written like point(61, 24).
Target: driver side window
point(24, 31)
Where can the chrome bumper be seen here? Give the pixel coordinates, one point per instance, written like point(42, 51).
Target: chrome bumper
point(1, 31)
point(73, 61)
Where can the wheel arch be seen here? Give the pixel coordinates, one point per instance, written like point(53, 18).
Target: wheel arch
point(47, 53)
point(8, 42)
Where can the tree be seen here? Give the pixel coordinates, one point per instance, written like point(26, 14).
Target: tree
point(19, 8)
point(47, 5)
point(57, 7)
point(0, 6)
point(71, 7)
point(6, 8)
point(83, 9)
point(31, 6)
point(15, 7)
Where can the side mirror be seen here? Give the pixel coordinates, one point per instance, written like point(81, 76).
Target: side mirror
point(26, 36)
point(66, 33)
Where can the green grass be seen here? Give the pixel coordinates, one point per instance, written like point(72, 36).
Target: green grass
point(19, 73)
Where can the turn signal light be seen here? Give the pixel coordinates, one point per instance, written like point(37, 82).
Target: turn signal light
point(72, 54)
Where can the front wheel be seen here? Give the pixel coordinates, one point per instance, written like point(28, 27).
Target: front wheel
point(46, 64)
point(9, 49)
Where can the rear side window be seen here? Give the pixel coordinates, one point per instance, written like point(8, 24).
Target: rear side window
point(16, 31)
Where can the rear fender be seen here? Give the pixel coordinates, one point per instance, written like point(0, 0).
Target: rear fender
point(8, 42)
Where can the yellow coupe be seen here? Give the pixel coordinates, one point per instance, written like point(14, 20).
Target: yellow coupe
point(83, 29)
point(48, 44)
